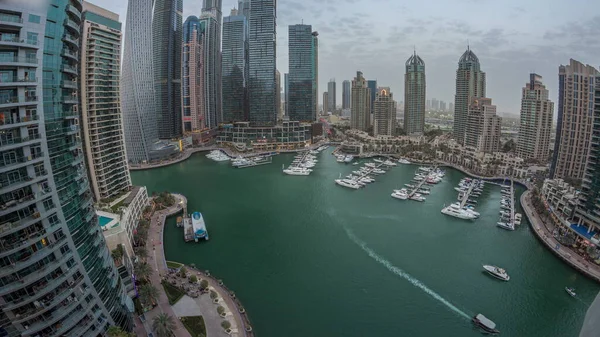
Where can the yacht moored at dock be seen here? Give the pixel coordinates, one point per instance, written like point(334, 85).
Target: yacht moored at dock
point(194, 228)
point(458, 212)
point(348, 183)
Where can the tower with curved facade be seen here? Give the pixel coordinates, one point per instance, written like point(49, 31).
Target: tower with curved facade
point(414, 95)
point(57, 277)
point(470, 83)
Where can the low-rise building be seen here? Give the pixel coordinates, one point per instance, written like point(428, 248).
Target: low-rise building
point(561, 197)
point(290, 135)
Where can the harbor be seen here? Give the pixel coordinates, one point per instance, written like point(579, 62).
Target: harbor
point(303, 163)
point(424, 175)
point(364, 175)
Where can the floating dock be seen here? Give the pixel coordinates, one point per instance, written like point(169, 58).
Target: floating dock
point(194, 228)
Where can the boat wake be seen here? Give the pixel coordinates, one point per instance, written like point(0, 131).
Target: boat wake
point(415, 282)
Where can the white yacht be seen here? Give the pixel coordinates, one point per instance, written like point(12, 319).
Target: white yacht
point(425, 192)
point(378, 160)
point(297, 171)
point(497, 272)
point(389, 163)
point(455, 211)
point(403, 161)
point(347, 183)
point(378, 171)
point(348, 159)
point(505, 225)
point(398, 194)
point(371, 165)
point(417, 197)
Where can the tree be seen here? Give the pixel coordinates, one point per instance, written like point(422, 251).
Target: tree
point(226, 325)
point(148, 293)
point(220, 310)
point(509, 146)
point(115, 331)
point(142, 271)
point(204, 284)
point(182, 272)
point(117, 253)
point(193, 278)
point(163, 325)
point(141, 252)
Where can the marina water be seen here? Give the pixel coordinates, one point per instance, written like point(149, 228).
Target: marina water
point(309, 258)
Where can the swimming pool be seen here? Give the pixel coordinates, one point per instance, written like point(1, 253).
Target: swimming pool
point(104, 220)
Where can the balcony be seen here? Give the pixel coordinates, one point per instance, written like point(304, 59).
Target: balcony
point(21, 162)
point(19, 121)
point(72, 10)
point(70, 54)
point(16, 101)
point(17, 82)
point(69, 69)
point(74, 27)
point(11, 20)
point(68, 39)
point(19, 42)
point(43, 289)
point(17, 204)
point(57, 314)
point(72, 321)
point(9, 60)
point(69, 84)
point(13, 143)
point(18, 224)
point(33, 258)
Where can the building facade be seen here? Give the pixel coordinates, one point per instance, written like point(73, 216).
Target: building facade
point(137, 84)
point(316, 64)
point(286, 93)
point(166, 47)
point(210, 27)
point(262, 55)
point(561, 197)
point(346, 95)
point(535, 125)
point(332, 94)
point(325, 103)
point(575, 120)
point(372, 85)
point(56, 274)
point(470, 82)
point(101, 118)
point(360, 116)
point(289, 135)
point(302, 74)
point(414, 96)
point(235, 68)
point(384, 116)
point(192, 71)
point(483, 126)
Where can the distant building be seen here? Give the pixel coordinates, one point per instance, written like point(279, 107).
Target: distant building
point(575, 120)
point(316, 65)
point(414, 96)
point(302, 72)
point(384, 116)
point(286, 89)
point(372, 85)
point(346, 94)
point(325, 102)
point(192, 71)
point(435, 104)
point(442, 106)
point(278, 95)
point(451, 107)
point(289, 135)
point(332, 104)
point(535, 125)
point(234, 67)
point(360, 117)
point(210, 30)
point(470, 83)
point(483, 126)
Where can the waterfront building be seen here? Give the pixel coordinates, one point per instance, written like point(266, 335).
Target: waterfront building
point(346, 94)
point(262, 55)
point(325, 103)
point(101, 119)
point(166, 48)
point(235, 67)
point(316, 65)
point(414, 95)
point(575, 120)
point(360, 117)
point(302, 72)
point(192, 71)
point(278, 95)
point(331, 90)
point(210, 26)
point(286, 97)
point(58, 277)
point(483, 126)
point(561, 197)
point(372, 85)
point(470, 83)
point(289, 135)
point(535, 125)
point(384, 121)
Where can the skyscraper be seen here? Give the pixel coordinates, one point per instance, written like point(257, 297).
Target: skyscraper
point(286, 89)
point(316, 65)
point(166, 48)
point(372, 85)
point(332, 95)
point(346, 94)
point(278, 95)
point(575, 120)
point(192, 72)
point(470, 82)
point(442, 106)
point(211, 21)
point(101, 118)
point(536, 120)
point(244, 8)
point(414, 95)
point(140, 116)
point(451, 107)
point(483, 126)
point(235, 68)
point(262, 54)
point(301, 74)
point(384, 119)
point(325, 103)
point(360, 117)
point(52, 246)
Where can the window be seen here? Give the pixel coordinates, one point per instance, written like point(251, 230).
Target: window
point(34, 18)
point(32, 38)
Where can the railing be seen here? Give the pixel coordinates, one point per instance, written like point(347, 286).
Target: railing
point(23, 241)
point(66, 51)
point(71, 40)
point(71, 24)
point(75, 11)
point(18, 99)
point(18, 80)
point(25, 119)
point(10, 225)
point(10, 18)
point(69, 84)
point(18, 140)
point(22, 159)
point(17, 59)
point(17, 39)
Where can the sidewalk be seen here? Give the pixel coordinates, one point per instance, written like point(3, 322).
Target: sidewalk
point(544, 233)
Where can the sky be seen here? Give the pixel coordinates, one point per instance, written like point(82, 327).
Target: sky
point(511, 38)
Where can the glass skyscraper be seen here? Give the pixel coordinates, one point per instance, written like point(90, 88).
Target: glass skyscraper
point(470, 83)
point(372, 85)
point(301, 105)
point(414, 96)
point(235, 68)
point(192, 76)
point(166, 47)
point(57, 277)
point(262, 55)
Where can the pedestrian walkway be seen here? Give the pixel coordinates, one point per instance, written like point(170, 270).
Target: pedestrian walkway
point(544, 232)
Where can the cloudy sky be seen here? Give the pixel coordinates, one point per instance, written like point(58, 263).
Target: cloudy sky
point(511, 38)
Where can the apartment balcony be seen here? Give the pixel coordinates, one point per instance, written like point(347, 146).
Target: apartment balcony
point(68, 114)
point(73, 129)
point(44, 289)
point(68, 69)
point(16, 101)
point(69, 84)
point(13, 143)
point(74, 11)
point(9, 227)
point(58, 314)
point(79, 317)
point(70, 54)
point(86, 324)
point(11, 20)
point(17, 82)
point(70, 100)
point(71, 40)
point(19, 121)
point(72, 25)
point(33, 258)
point(19, 42)
point(22, 162)
point(17, 204)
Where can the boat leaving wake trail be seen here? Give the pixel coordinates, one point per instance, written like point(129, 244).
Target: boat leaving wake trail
point(403, 274)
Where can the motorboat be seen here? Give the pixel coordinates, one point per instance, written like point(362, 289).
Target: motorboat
point(297, 171)
point(403, 161)
point(424, 168)
point(389, 163)
point(402, 190)
point(378, 171)
point(518, 218)
point(418, 178)
point(571, 291)
point(314, 152)
point(417, 197)
point(348, 159)
point(358, 173)
point(371, 165)
point(355, 163)
point(399, 194)
point(456, 211)
point(471, 210)
point(496, 272)
point(425, 192)
point(348, 183)
point(409, 185)
point(378, 161)
point(505, 225)
point(485, 324)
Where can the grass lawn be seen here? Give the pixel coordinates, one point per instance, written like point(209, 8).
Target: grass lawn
point(173, 293)
point(194, 325)
point(173, 265)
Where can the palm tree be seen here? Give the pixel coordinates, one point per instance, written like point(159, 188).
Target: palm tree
point(141, 252)
point(148, 293)
point(163, 325)
point(115, 331)
point(142, 271)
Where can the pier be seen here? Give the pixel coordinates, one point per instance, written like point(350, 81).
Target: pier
point(512, 203)
point(467, 194)
point(422, 182)
point(252, 162)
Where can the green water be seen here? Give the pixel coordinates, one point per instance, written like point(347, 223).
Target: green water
point(310, 258)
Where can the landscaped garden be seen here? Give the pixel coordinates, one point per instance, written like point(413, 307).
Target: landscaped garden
point(194, 325)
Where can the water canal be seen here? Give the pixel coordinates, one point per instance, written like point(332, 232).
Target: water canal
point(310, 258)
